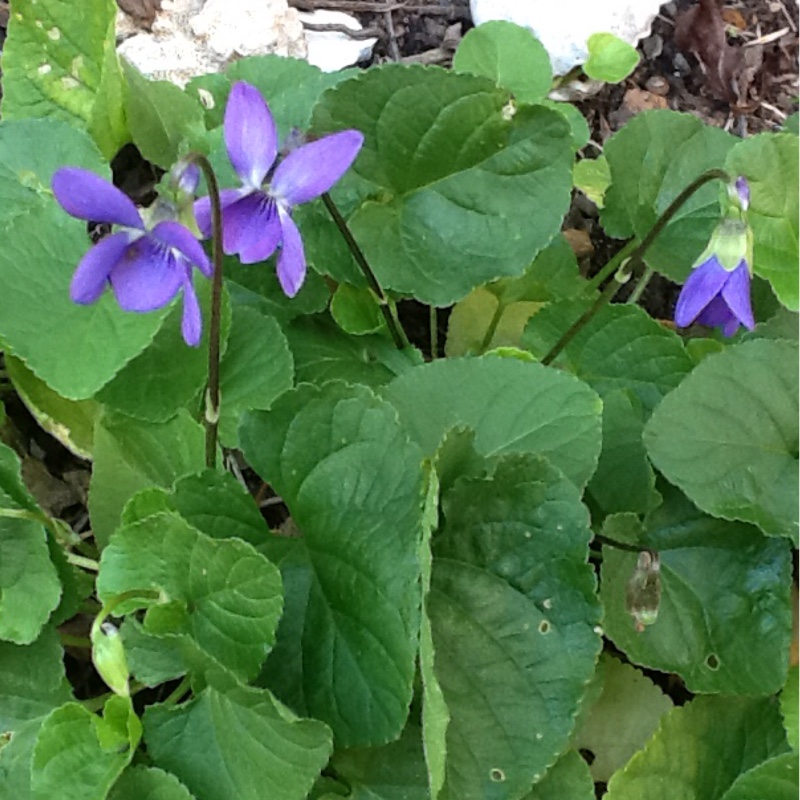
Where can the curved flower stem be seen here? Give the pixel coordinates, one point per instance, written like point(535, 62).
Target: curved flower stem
point(611, 267)
point(638, 290)
point(389, 314)
point(634, 266)
point(492, 327)
point(211, 416)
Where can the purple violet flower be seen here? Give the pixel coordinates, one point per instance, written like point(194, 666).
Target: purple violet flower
point(717, 292)
point(257, 216)
point(146, 268)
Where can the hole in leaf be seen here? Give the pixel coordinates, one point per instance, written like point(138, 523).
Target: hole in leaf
point(544, 626)
point(712, 662)
point(497, 775)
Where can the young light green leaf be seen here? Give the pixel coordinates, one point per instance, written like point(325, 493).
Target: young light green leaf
point(79, 755)
point(738, 409)
point(713, 574)
point(32, 680)
point(53, 59)
point(456, 209)
point(221, 594)
point(513, 407)
point(769, 162)
point(131, 455)
point(593, 177)
point(253, 747)
point(356, 310)
point(256, 368)
point(108, 657)
point(513, 615)
point(353, 484)
point(148, 783)
point(623, 718)
point(610, 58)
point(702, 747)
point(508, 55)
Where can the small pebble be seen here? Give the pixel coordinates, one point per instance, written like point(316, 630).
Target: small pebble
point(652, 46)
point(658, 85)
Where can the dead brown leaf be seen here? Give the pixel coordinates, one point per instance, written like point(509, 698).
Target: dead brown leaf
point(142, 11)
point(701, 31)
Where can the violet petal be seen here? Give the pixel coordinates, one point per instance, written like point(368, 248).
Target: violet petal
point(313, 168)
point(192, 320)
point(202, 208)
point(148, 277)
point(716, 314)
point(89, 279)
point(736, 294)
point(701, 287)
point(250, 228)
point(84, 195)
point(250, 134)
point(175, 235)
point(292, 259)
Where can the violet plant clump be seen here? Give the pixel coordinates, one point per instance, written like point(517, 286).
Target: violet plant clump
point(257, 217)
point(717, 292)
point(437, 521)
point(146, 265)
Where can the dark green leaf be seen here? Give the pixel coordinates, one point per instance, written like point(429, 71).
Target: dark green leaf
point(252, 747)
point(353, 484)
point(727, 436)
point(513, 407)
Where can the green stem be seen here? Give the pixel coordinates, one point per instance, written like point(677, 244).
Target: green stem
point(95, 704)
point(392, 322)
point(211, 416)
point(183, 688)
point(83, 562)
point(108, 609)
point(62, 533)
point(638, 290)
point(634, 266)
point(433, 320)
point(492, 329)
point(68, 640)
point(611, 267)
point(622, 277)
point(630, 548)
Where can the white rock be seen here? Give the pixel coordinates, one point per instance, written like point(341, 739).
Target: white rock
point(332, 50)
point(564, 26)
point(193, 37)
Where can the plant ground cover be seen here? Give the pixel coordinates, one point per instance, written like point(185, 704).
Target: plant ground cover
point(545, 547)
